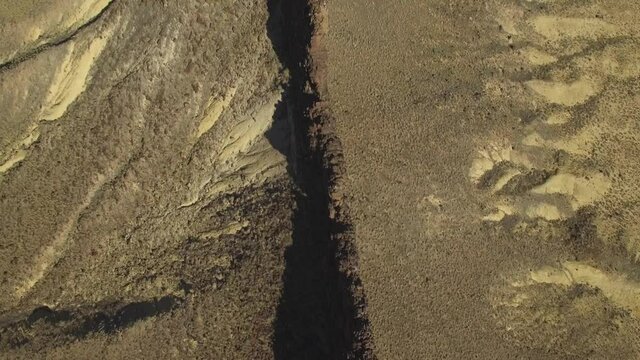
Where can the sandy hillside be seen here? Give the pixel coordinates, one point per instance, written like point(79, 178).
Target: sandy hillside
point(282, 179)
point(144, 194)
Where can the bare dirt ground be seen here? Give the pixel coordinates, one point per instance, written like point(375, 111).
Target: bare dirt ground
point(491, 151)
point(282, 179)
point(144, 195)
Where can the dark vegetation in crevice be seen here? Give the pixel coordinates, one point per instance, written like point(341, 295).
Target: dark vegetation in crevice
point(322, 309)
point(44, 324)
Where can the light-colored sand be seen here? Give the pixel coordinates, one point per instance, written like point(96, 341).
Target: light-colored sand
point(19, 152)
point(13, 160)
point(245, 157)
point(568, 94)
point(230, 229)
point(581, 190)
point(557, 28)
point(249, 131)
point(508, 19)
point(71, 79)
point(215, 108)
point(617, 287)
point(579, 144)
point(494, 154)
point(621, 61)
point(33, 24)
point(543, 211)
point(559, 118)
point(538, 57)
point(509, 174)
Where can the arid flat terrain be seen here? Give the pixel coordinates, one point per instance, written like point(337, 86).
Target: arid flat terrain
point(282, 179)
point(491, 151)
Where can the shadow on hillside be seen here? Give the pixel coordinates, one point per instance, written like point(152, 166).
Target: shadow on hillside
point(316, 315)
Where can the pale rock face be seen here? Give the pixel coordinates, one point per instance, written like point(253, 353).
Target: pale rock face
point(32, 24)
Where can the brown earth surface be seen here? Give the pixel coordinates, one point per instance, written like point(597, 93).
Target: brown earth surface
point(282, 179)
point(144, 195)
point(491, 151)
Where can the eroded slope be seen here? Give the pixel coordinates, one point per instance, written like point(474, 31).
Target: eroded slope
point(143, 186)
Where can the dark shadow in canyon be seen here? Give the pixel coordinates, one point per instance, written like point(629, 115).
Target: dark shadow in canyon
point(67, 325)
point(317, 317)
